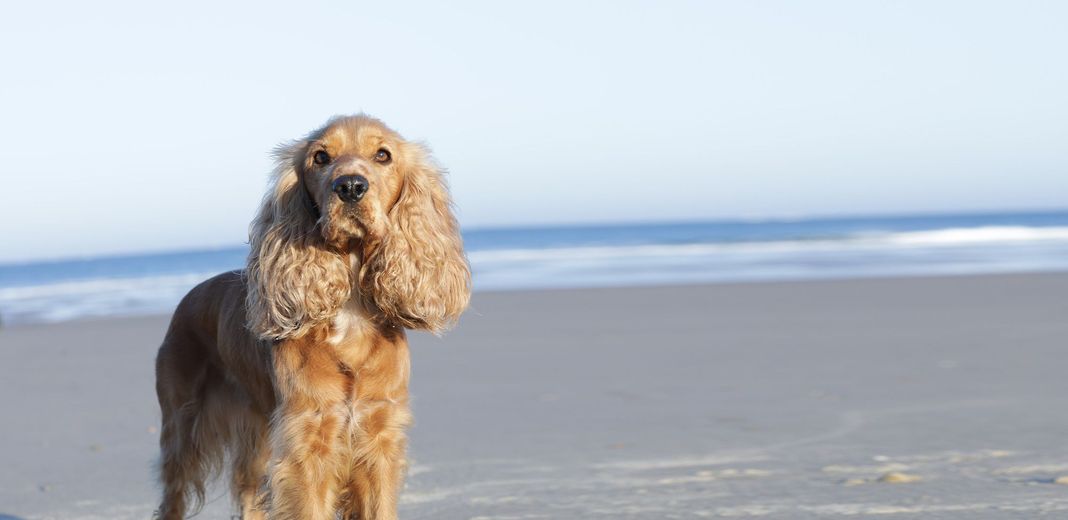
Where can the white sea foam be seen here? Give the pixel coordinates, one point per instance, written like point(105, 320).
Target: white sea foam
point(938, 238)
point(950, 251)
point(979, 235)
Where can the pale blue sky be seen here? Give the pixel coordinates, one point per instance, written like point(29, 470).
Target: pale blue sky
point(135, 126)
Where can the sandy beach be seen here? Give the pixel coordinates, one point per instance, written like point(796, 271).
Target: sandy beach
point(888, 398)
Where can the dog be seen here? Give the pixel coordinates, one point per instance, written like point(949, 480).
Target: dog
point(294, 371)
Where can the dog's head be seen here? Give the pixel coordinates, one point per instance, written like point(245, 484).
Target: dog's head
point(355, 212)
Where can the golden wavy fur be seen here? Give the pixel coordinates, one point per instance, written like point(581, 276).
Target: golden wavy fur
point(297, 367)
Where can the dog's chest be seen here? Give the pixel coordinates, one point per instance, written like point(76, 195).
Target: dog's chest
point(375, 365)
point(350, 326)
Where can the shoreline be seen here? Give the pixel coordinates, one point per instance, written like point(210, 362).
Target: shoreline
point(565, 290)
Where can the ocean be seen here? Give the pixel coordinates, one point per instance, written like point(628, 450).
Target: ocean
point(596, 256)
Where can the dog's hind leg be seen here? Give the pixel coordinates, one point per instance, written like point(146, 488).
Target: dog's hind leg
point(178, 467)
point(190, 447)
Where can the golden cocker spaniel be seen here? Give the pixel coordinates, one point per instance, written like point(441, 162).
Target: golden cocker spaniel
point(297, 367)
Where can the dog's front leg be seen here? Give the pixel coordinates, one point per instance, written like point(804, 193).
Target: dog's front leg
point(303, 480)
point(306, 432)
point(378, 469)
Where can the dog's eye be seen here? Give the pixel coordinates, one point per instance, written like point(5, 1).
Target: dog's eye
point(383, 156)
point(321, 158)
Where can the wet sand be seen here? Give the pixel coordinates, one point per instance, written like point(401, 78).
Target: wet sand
point(893, 398)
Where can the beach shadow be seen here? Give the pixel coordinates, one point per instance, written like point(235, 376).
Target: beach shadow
point(10, 517)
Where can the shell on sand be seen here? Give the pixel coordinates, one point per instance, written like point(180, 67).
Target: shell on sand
point(896, 477)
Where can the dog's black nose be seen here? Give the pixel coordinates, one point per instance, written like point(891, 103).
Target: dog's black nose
point(350, 188)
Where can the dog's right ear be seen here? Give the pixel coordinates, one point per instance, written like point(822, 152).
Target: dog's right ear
point(294, 282)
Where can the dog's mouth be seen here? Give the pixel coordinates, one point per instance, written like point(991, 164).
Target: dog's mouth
point(344, 224)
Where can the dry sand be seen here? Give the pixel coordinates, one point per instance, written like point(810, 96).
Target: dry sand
point(896, 398)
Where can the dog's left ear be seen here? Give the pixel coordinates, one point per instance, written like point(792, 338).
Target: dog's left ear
point(418, 276)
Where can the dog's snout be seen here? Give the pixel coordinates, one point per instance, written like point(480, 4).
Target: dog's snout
point(350, 188)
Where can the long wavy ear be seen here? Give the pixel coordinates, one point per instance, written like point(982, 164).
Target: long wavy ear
point(294, 281)
point(417, 275)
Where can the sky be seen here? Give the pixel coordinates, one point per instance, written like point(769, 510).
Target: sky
point(134, 126)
